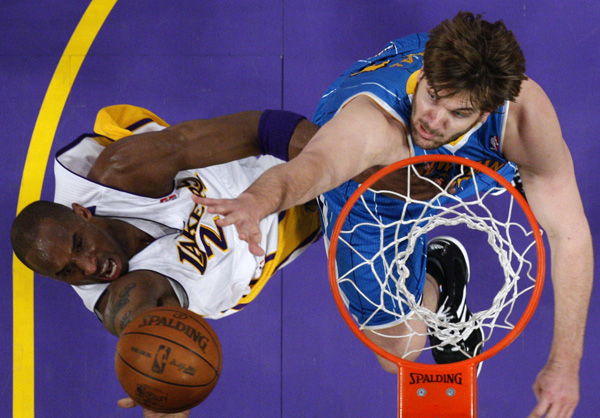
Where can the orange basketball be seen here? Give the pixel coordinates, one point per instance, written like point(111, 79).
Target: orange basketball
point(168, 359)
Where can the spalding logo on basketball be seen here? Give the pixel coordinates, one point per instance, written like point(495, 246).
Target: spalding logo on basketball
point(168, 359)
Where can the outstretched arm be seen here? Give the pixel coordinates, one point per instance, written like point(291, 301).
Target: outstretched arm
point(146, 163)
point(547, 171)
point(360, 136)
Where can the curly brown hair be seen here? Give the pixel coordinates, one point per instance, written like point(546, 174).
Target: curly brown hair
point(471, 56)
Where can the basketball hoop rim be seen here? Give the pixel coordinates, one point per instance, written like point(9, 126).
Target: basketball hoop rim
point(541, 261)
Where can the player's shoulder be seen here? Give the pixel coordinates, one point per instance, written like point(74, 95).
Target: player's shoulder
point(386, 135)
point(531, 107)
point(532, 125)
point(532, 97)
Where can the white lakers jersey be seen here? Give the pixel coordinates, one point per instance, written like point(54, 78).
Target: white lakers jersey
point(209, 267)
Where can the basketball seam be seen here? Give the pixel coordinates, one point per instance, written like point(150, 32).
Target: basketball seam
point(160, 380)
point(174, 342)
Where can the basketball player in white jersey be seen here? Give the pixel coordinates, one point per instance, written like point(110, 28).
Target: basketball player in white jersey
point(125, 233)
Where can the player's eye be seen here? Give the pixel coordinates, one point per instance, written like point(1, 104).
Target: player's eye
point(78, 244)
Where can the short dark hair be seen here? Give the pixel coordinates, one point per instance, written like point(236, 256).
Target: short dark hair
point(26, 226)
point(470, 55)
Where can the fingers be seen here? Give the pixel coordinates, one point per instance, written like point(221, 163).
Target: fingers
point(253, 239)
point(557, 395)
point(540, 409)
point(228, 208)
point(551, 410)
point(220, 206)
point(151, 414)
point(255, 249)
point(240, 213)
point(130, 403)
point(126, 403)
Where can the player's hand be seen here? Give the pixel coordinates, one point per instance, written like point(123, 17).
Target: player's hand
point(130, 403)
point(242, 212)
point(557, 391)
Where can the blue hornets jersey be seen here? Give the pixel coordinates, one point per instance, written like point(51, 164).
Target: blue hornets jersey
point(390, 79)
point(383, 77)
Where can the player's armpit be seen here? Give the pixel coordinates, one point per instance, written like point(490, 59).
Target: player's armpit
point(132, 294)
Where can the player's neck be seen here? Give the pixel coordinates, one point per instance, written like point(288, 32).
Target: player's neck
point(131, 238)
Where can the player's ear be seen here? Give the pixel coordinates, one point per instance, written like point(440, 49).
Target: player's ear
point(81, 211)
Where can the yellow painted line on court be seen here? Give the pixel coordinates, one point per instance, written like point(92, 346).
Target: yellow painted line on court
point(31, 190)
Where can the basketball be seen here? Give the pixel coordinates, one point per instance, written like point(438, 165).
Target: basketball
point(168, 359)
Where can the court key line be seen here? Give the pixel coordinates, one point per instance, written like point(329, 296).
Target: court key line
point(31, 190)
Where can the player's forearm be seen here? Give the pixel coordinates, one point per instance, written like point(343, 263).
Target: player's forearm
point(205, 142)
point(321, 167)
point(115, 320)
point(290, 184)
point(282, 134)
point(132, 294)
point(572, 274)
point(146, 164)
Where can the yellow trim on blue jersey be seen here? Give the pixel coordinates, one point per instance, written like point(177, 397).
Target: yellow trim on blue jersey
point(31, 190)
point(372, 67)
point(411, 83)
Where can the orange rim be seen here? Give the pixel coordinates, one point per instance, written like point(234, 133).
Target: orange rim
point(541, 259)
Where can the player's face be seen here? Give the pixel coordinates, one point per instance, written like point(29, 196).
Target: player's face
point(438, 121)
point(77, 252)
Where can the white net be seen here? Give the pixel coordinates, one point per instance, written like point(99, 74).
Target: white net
point(491, 225)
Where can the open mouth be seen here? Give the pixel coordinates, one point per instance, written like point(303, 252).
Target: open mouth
point(424, 133)
point(110, 270)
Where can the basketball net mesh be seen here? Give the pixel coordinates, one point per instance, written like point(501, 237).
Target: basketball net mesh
point(509, 235)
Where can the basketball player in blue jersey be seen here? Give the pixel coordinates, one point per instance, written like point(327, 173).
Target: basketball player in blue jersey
point(125, 232)
point(462, 90)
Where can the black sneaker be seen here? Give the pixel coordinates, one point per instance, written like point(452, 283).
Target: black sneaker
point(448, 263)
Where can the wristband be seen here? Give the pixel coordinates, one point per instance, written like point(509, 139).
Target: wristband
point(275, 131)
